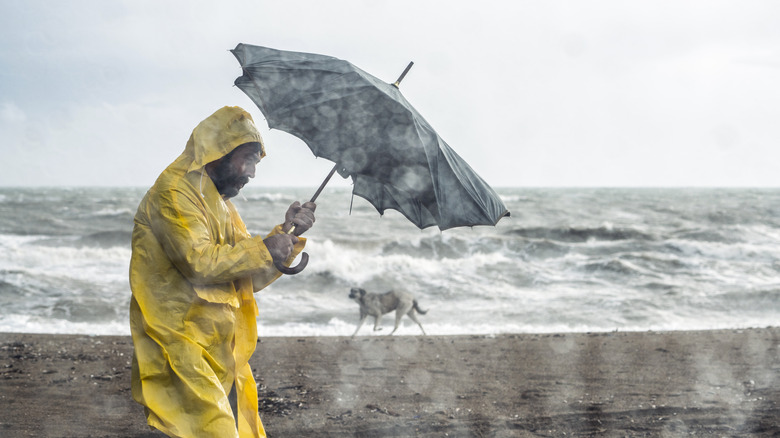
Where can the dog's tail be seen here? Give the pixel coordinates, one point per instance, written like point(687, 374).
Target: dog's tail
point(418, 309)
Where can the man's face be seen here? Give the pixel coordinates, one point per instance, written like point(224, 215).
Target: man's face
point(232, 172)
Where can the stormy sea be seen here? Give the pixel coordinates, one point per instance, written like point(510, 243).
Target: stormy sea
point(567, 260)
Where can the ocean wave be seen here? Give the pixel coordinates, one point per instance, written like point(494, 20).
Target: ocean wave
point(93, 265)
point(333, 267)
point(437, 247)
point(661, 263)
point(571, 260)
point(18, 240)
point(745, 299)
point(660, 286)
point(113, 212)
point(615, 266)
point(26, 323)
point(708, 250)
point(513, 199)
point(357, 267)
point(545, 249)
point(9, 291)
point(709, 235)
point(582, 234)
point(101, 239)
point(265, 197)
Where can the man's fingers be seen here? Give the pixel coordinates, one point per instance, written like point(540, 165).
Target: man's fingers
point(290, 240)
point(307, 212)
point(295, 212)
point(292, 210)
point(302, 224)
point(305, 216)
point(280, 246)
point(303, 219)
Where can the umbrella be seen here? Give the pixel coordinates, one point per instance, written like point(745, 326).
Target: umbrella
point(395, 158)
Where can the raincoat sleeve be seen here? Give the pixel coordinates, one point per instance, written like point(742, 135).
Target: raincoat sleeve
point(182, 227)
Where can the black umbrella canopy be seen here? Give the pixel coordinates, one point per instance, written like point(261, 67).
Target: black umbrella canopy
point(395, 158)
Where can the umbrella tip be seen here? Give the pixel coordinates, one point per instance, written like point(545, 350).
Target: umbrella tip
point(400, 78)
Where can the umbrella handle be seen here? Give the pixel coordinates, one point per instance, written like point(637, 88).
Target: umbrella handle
point(292, 270)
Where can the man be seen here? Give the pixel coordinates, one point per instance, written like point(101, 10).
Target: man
point(193, 271)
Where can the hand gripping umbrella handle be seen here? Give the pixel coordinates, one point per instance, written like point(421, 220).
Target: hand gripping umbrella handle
point(292, 270)
point(304, 256)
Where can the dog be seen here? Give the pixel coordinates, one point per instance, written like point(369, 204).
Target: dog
point(377, 305)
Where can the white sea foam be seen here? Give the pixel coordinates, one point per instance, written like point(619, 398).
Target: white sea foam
point(113, 212)
point(267, 197)
point(87, 264)
point(15, 323)
point(568, 260)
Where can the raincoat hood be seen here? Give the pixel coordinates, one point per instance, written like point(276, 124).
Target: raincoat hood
point(217, 135)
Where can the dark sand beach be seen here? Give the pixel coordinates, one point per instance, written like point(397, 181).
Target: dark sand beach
point(708, 383)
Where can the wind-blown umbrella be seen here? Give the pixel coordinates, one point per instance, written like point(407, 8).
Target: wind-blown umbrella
point(395, 158)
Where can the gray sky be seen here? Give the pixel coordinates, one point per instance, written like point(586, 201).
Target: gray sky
point(542, 93)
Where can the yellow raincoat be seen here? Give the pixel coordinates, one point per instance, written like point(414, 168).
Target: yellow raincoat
point(193, 271)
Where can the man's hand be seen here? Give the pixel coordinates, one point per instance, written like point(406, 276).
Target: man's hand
point(300, 216)
point(280, 246)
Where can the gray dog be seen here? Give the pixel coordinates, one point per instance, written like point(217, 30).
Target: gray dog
point(377, 305)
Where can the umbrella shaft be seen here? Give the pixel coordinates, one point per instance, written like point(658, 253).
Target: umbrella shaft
point(322, 186)
point(319, 190)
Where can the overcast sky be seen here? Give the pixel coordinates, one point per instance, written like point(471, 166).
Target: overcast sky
point(530, 93)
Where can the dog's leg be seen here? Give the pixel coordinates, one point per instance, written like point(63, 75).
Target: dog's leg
point(414, 318)
point(376, 322)
point(402, 309)
point(363, 317)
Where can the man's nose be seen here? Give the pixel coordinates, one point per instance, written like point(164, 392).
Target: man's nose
point(250, 170)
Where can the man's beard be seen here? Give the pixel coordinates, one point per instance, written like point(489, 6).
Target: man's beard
point(227, 181)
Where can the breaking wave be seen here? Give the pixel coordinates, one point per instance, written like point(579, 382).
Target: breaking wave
point(568, 260)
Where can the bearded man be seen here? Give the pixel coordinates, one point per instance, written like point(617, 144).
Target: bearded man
point(193, 271)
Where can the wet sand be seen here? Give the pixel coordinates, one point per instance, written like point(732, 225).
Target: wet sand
point(708, 383)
